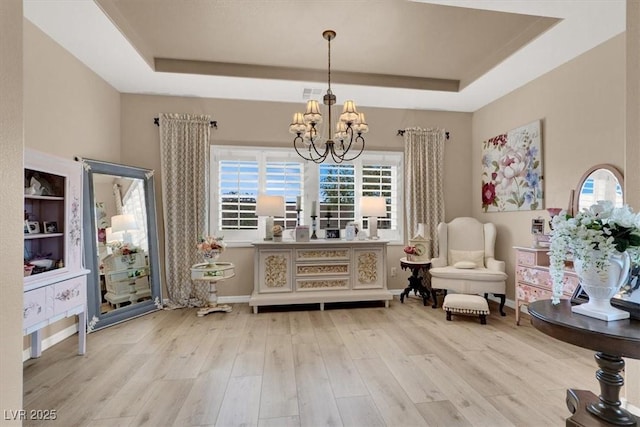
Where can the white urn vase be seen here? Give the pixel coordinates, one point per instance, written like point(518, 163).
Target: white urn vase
point(601, 287)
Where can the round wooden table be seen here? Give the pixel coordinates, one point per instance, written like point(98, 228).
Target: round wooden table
point(611, 341)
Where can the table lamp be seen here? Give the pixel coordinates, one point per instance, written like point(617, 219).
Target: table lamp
point(269, 206)
point(373, 207)
point(124, 223)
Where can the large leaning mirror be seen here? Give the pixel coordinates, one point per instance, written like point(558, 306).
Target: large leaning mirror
point(121, 245)
point(600, 182)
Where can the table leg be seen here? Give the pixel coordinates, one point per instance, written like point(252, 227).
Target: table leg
point(607, 406)
point(213, 302)
point(416, 284)
point(82, 332)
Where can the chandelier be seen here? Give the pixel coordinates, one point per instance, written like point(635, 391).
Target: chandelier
point(347, 143)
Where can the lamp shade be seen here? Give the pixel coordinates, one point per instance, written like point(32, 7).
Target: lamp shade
point(125, 222)
point(270, 206)
point(373, 206)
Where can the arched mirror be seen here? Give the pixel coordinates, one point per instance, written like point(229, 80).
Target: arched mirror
point(121, 245)
point(601, 182)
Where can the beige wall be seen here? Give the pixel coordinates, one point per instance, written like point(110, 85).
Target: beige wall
point(69, 111)
point(268, 126)
point(11, 195)
point(582, 107)
point(632, 155)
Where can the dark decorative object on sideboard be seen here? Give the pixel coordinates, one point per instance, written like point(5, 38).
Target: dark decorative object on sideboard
point(332, 233)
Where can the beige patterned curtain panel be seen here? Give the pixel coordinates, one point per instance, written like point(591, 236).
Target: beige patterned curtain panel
point(424, 188)
point(184, 156)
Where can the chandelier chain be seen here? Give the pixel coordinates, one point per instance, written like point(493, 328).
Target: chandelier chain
point(329, 63)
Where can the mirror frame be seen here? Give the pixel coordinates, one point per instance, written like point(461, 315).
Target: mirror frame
point(611, 168)
point(95, 319)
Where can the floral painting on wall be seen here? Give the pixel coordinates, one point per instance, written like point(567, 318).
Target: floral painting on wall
point(512, 170)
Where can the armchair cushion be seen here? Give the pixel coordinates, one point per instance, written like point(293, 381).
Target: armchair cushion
point(465, 264)
point(476, 257)
point(476, 274)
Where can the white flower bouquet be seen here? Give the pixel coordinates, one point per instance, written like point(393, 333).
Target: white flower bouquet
point(593, 236)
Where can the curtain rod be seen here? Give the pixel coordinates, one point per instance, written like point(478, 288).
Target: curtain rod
point(401, 133)
point(212, 123)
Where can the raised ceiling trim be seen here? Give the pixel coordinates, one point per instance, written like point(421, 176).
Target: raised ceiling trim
point(169, 65)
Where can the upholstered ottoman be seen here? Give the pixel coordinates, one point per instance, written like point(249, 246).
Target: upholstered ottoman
point(466, 304)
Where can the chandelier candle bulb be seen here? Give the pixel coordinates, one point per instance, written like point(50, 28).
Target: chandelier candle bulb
point(361, 124)
point(313, 208)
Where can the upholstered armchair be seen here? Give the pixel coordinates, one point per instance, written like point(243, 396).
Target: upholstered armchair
point(465, 262)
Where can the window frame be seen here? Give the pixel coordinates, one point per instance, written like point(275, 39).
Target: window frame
point(310, 188)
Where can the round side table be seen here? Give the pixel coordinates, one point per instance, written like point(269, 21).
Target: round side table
point(611, 341)
point(416, 283)
point(213, 273)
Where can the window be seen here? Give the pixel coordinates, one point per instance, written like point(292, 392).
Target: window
point(337, 195)
point(238, 175)
point(133, 203)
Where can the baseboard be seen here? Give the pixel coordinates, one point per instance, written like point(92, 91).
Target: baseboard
point(234, 299)
point(508, 302)
point(52, 340)
point(629, 407)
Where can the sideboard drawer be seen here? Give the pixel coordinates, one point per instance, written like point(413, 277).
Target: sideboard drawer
point(541, 278)
point(534, 276)
point(69, 294)
point(35, 307)
point(329, 283)
point(527, 293)
point(323, 254)
point(339, 268)
point(532, 258)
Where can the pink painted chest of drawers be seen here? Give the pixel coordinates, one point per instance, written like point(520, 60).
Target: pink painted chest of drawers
point(533, 280)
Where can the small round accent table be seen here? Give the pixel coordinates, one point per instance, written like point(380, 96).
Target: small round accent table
point(212, 273)
point(612, 341)
point(416, 283)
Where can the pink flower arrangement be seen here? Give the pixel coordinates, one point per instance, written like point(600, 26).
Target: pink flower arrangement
point(208, 244)
point(410, 250)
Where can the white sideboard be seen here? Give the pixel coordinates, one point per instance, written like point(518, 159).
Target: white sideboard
point(319, 272)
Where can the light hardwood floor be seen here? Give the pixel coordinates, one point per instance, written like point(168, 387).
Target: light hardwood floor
point(356, 366)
